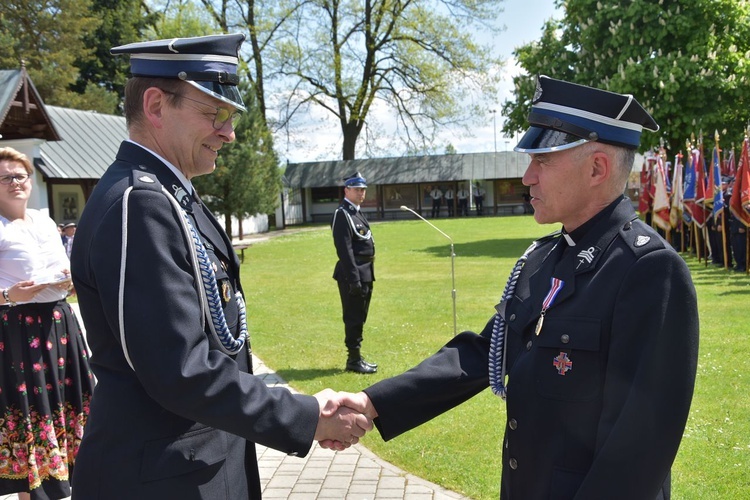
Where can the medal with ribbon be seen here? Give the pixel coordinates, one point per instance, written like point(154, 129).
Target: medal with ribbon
point(556, 285)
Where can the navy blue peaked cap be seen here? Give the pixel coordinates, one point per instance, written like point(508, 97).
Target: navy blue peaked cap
point(209, 63)
point(355, 181)
point(564, 115)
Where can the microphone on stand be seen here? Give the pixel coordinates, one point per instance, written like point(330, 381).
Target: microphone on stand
point(453, 258)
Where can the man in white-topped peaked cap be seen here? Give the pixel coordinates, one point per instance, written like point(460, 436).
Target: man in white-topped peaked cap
point(594, 344)
point(177, 411)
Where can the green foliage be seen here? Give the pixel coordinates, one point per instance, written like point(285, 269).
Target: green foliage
point(295, 322)
point(247, 180)
point(122, 21)
point(686, 61)
point(49, 37)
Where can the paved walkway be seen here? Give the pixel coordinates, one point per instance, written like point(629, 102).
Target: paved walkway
point(353, 474)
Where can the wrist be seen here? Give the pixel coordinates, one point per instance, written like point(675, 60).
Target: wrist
point(6, 296)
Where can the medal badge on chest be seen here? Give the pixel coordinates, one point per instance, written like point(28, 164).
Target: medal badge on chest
point(226, 291)
point(556, 285)
point(563, 363)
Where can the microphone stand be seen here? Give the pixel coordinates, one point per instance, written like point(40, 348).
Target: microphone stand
point(453, 259)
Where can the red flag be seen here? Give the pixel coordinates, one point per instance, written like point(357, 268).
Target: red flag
point(661, 198)
point(741, 191)
point(644, 200)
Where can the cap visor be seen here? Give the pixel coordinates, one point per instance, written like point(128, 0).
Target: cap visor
point(545, 140)
point(221, 91)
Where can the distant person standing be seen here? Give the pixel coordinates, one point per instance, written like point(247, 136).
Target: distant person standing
point(69, 233)
point(449, 201)
point(436, 196)
point(479, 198)
point(355, 269)
point(463, 201)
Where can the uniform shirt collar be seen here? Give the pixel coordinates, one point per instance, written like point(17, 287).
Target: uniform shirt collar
point(577, 235)
point(180, 176)
point(356, 207)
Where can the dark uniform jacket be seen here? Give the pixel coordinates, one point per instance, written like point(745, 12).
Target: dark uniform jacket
point(173, 415)
point(354, 245)
point(597, 402)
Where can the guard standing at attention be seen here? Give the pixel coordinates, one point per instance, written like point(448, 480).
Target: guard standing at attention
point(355, 269)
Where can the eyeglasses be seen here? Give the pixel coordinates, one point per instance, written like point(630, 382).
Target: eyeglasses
point(8, 179)
point(222, 115)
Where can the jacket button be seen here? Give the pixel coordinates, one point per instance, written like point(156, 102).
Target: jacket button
point(512, 317)
point(528, 345)
point(513, 463)
point(565, 338)
point(513, 424)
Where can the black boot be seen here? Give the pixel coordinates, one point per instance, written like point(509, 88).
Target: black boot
point(355, 363)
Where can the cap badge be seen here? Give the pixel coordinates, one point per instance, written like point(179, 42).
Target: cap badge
point(642, 240)
point(563, 363)
point(537, 92)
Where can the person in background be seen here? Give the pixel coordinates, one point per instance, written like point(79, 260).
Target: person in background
point(594, 345)
point(449, 202)
point(463, 201)
point(437, 197)
point(355, 269)
point(177, 410)
point(45, 380)
point(69, 233)
point(479, 198)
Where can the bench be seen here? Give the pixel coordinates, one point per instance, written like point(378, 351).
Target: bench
point(241, 247)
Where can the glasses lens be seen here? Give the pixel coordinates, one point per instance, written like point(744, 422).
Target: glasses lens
point(223, 116)
point(7, 179)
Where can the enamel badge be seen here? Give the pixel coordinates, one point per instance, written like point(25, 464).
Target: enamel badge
point(562, 363)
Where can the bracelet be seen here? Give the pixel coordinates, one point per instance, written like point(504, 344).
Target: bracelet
point(6, 296)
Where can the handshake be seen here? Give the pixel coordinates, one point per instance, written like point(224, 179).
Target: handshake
point(344, 418)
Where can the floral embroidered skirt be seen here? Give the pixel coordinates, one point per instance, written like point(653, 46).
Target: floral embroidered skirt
point(45, 390)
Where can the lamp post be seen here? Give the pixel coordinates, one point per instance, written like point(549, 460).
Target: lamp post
point(453, 267)
point(494, 126)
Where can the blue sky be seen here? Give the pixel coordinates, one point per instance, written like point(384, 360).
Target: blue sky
point(523, 20)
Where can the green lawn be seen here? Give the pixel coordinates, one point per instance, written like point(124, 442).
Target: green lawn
point(296, 328)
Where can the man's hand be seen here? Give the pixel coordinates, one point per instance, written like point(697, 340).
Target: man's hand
point(339, 425)
point(355, 289)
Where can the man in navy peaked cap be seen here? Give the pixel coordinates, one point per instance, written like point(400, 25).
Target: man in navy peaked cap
point(177, 411)
point(594, 343)
point(355, 269)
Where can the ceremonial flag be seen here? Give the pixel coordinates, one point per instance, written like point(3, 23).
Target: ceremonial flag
point(717, 195)
point(692, 180)
point(675, 213)
point(741, 192)
point(729, 169)
point(644, 200)
point(661, 198)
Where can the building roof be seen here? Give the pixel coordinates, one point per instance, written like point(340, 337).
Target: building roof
point(409, 169)
point(22, 111)
point(89, 143)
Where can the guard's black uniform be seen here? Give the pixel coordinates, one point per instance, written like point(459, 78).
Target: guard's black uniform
point(354, 271)
point(597, 402)
point(173, 414)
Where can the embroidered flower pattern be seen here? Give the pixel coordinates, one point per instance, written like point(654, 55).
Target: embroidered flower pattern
point(39, 447)
point(37, 441)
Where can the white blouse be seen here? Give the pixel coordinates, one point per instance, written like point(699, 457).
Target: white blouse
point(32, 251)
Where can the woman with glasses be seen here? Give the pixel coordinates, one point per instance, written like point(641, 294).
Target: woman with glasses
point(45, 380)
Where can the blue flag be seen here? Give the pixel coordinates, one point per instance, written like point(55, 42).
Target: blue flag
point(718, 194)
